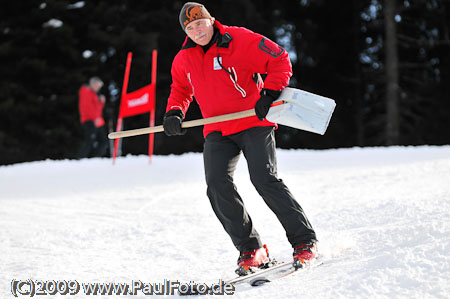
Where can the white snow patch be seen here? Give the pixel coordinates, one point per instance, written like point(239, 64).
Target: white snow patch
point(76, 5)
point(381, 215)
point(87, 54)
point(54, 23)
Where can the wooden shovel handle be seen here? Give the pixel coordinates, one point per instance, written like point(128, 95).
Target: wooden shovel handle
point(186, 124)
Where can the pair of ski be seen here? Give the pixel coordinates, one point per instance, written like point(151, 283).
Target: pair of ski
point(276, 270)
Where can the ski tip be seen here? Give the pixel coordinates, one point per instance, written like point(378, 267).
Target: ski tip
point(258, 281)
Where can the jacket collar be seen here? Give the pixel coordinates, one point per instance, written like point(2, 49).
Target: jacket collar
point(223, 41)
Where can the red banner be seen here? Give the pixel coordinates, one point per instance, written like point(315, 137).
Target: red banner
point(138, 102)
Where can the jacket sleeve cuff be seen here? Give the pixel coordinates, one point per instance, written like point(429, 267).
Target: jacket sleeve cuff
point(275, 94)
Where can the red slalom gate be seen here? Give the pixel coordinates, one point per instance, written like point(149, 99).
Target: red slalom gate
point(137, 102)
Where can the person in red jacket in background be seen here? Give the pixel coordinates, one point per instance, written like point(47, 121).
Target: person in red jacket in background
point(91, 105)
point(220, 66)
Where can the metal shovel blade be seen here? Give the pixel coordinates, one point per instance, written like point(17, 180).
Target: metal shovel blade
point(302, 110)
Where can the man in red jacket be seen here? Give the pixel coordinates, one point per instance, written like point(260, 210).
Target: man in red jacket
point(220, 66)
point(91, 105)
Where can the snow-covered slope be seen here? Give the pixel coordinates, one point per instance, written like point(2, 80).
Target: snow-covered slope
point(382, 216)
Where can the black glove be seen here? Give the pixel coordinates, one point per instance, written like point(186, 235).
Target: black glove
point(172, 123)
point(262, 106)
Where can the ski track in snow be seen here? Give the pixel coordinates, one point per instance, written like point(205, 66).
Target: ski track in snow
point(381, 216)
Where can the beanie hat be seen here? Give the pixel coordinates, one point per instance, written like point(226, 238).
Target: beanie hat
point(192, 11)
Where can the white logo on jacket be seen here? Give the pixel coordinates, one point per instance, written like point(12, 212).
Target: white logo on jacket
point(216, 63)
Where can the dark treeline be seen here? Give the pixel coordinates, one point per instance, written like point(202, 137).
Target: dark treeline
point(386, 64)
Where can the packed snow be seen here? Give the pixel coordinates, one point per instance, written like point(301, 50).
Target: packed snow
point(382, 216)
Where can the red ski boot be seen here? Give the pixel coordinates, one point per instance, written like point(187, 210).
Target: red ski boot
point(304, 253)
point(250, 259)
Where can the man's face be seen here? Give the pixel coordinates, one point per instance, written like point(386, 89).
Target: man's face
point(200, 31)
point(96, 86)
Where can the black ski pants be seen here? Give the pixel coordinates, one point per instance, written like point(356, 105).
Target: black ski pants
point(221, 155)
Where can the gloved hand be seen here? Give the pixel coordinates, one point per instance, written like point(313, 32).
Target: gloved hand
point(262, 106)
point(172, 123)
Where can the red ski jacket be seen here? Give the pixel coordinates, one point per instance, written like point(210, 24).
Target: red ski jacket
point(90, 106)
point(245, 55)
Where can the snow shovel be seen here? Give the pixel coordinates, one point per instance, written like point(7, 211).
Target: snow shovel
point(294, 108)
point(302, 110)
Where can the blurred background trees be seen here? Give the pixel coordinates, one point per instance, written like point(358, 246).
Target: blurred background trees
point(386, 64)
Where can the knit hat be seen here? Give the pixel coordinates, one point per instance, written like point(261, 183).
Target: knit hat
point(192, 11)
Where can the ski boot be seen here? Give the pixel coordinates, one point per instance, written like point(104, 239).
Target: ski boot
point(251, 260)
point(304, 253)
